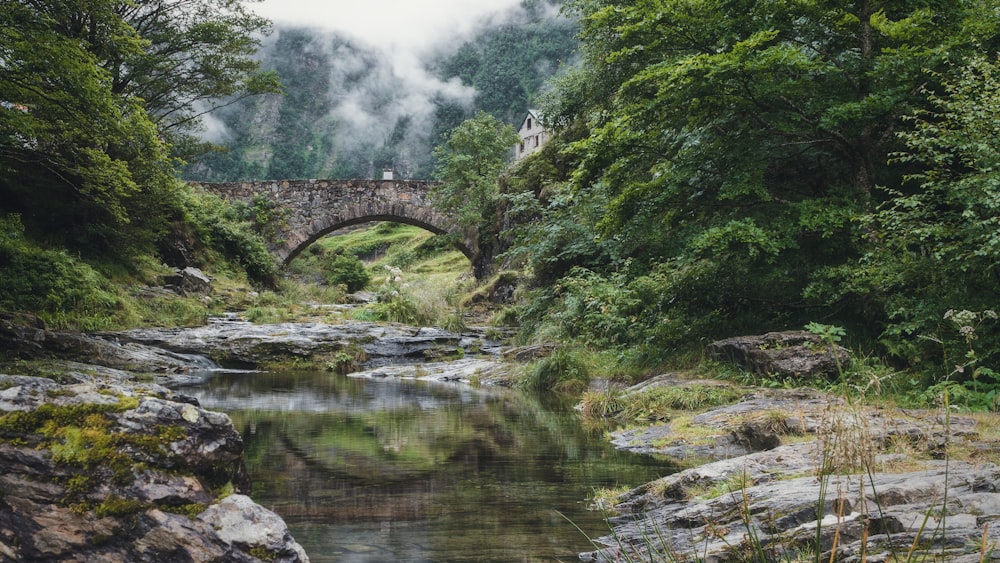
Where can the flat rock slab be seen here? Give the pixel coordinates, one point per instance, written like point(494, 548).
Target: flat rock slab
point(790, 461)
point(747, 505)
point(248, 344)
point(484, 371)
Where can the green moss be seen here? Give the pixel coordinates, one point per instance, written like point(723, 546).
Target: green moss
point(191, 510)
point(169, 434)
point(79, 484)
point(47, 419)
point(263, 553)
point(118, 506)
point(59, 392)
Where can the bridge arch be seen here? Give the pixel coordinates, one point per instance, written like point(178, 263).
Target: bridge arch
point(336, 221)
point(314, 208)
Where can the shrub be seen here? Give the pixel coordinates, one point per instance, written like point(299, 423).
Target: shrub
point(346, 270)
point(564, 370)
point(60, 288)
point(222, 227)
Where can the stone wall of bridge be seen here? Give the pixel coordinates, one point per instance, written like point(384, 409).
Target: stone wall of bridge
point(314, 208)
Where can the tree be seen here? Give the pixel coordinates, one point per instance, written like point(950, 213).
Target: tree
point(469, 163)
point(93, 93)
point(940, 234)
point(71, 151)
point(740, 145)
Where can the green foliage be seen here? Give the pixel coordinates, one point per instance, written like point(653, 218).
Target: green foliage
point(722, 171)
point(829, 333)
point(657, 403)
point(565, 370)
point(347, 271)
point(266, 216)
point(60, 288)
point(226, 229)
point(81, 163)
point(92, 96)
point(968, 379)
point(347, 360)
point(940, 248)
point(197, 56)
point(469, 163)
point(396, 304)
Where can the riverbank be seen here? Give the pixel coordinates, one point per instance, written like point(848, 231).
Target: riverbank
point(776, 475)
point(100, 462)
point(99, 467)
point(802, 475)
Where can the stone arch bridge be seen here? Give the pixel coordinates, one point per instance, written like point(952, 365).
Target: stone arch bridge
point(314, 208)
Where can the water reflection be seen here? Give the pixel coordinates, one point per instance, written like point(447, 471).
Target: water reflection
point(389, 470)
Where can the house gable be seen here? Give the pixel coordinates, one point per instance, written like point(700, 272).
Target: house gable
point(532, 134)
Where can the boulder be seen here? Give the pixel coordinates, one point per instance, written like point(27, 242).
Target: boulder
point(190, 281)
point(239, 521)
point(123, 472)
point(783, 354)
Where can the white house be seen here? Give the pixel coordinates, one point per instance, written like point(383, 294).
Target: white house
point(532, 134)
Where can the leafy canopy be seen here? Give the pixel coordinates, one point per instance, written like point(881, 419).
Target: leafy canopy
point(93, 93)
point(739, 149)
point(469, 163)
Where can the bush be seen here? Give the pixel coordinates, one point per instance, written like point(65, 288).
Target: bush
point(58, 287)
point(346, 270)
point(564, 370)
point(222, 227)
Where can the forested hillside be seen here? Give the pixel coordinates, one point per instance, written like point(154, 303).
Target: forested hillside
point(349, 110)
point(756, 166)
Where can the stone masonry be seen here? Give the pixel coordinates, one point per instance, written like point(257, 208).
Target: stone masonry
point(314, 208)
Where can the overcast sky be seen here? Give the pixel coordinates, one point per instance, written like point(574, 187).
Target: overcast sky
point(392, 24)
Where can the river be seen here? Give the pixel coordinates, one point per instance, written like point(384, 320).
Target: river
point(374, 470)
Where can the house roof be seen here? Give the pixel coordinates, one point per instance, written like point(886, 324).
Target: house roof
point(533, 113)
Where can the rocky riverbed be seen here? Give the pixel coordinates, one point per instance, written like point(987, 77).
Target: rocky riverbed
point(804, 476)
point(102, 469)
point(99, 461)
point(101, 458)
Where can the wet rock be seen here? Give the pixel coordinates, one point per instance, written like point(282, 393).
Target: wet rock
point(784, 354)
point(101, 350)
point(110, 472)
point(783, 454)
point(237, 343)
point(861, 516)
point(241, 522)
point(361, 297)
point(190, 281)
point(241, 343)
point(483, 371)
point(524, 354)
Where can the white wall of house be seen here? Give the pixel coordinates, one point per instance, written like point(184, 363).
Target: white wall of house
point(533, 135)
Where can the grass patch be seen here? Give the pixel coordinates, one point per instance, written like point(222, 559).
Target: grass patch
point(683, 429)
point(569, 370)
point(657, 403)
point(606, 499)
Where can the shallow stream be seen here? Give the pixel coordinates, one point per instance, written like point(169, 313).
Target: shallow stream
point(375, 470)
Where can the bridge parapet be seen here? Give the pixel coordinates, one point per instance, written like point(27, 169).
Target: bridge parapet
point(314, 208)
